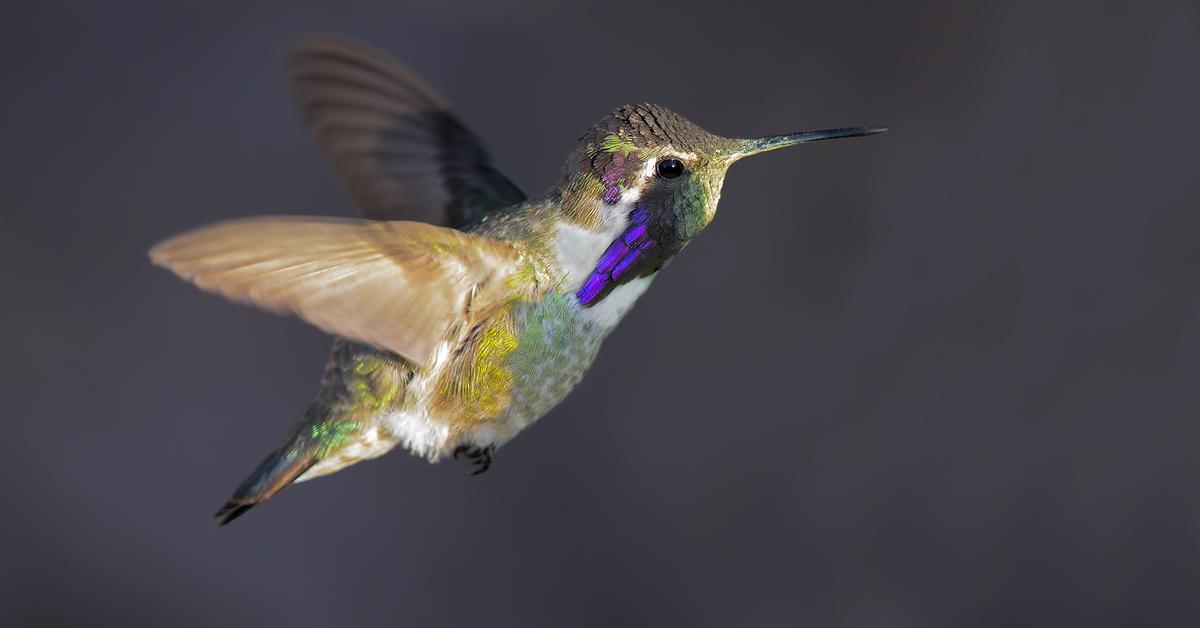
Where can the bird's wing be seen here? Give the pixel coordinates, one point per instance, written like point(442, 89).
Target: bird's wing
point(396, 146)
point(400, 286)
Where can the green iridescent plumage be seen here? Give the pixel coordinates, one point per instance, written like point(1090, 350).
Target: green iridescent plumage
point(616, 144)
point(361, 383)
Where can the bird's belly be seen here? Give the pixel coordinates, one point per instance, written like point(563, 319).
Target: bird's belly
point(555, 345)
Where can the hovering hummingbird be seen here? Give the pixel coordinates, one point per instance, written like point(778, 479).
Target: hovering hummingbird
point(463, 311)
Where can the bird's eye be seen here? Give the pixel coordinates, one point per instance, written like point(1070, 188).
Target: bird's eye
point(669, 168)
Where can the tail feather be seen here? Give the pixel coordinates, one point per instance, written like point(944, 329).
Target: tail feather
point(230, 511)
point(278, 470)
point(360, 385)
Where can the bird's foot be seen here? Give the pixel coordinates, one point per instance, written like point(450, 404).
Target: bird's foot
point(481, 457)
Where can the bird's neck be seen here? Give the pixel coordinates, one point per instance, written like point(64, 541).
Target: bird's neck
point(567, 230)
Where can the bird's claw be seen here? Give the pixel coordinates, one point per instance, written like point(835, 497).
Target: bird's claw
point(481, 457)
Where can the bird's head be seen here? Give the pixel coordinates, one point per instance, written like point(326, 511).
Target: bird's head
point(647, 153)
point(663, 174)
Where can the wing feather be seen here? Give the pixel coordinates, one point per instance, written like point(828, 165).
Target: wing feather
point(398, 149)
point(400, 286)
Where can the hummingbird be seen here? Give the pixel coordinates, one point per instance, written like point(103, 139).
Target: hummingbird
point(462, 310)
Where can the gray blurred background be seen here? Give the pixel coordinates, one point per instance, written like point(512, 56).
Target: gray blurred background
point(941, 377)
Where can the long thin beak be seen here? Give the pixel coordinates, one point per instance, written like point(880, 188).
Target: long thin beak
point(763, 144)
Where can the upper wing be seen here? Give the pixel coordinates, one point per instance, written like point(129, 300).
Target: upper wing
point(399, 286)
point(396, 146)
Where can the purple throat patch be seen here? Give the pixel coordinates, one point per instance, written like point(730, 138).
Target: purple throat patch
point(618, 260)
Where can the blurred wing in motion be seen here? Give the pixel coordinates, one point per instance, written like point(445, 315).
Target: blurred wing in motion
point(399, 286)
point(399, 151)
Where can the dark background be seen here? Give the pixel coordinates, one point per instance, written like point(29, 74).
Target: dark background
point(942, 377)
